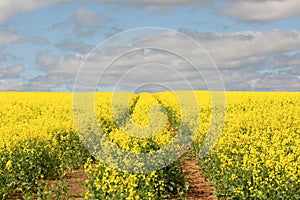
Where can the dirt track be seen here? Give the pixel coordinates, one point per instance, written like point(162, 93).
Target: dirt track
point(199, 187)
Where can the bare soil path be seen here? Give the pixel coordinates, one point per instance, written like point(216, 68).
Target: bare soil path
point(76, 184)
point(199, 187)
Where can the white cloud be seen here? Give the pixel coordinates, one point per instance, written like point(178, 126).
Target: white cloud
point(276, 83)
point(165, 2)
point(240, 56)
point(287, 61)
point(10, 78)
point(295, 71)
point(155, 4)
point(48, 82)
point(261, 10)
point(11, 71)
point(68, 64)
point(240, 49)
point(8, 37)
point(243, 10)
point(11, 8)
point(86, 22)
point(9, 85)
point(86, 17)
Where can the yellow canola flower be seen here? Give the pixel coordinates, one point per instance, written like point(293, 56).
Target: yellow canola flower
point(9, 165)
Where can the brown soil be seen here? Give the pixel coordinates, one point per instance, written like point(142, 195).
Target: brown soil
point(199, 187)
point(76, 181)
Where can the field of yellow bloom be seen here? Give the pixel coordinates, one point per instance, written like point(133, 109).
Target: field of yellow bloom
point(258, 153)
point(45, 135)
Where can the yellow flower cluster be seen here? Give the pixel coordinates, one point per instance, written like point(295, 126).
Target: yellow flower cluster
point(137, 124)
point(26, 116)
point(106, 182)
point(38, 141)
point(257, 155)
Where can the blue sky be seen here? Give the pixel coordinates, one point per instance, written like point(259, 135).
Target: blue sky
point(254, 44)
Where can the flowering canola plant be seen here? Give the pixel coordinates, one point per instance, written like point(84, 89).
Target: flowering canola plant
point(137, 125)
point(257, 155)
point(38, 142)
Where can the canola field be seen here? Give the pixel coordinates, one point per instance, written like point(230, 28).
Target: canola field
point(45, 135)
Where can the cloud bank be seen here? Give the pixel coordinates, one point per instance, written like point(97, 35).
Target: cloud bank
point(244, 59)
point(242, 10)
